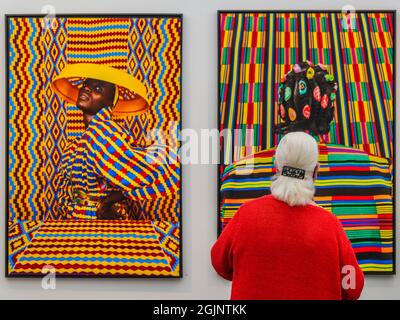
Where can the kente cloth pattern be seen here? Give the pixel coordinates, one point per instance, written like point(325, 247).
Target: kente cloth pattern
point(20, 233)
point(257, 49)
point(41, 125)
point(96, 247)
point(352, 184)
point(105, 159)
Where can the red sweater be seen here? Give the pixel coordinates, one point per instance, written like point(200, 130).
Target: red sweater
point(270, 250)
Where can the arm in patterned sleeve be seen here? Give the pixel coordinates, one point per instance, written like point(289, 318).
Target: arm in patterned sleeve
point(141, 173)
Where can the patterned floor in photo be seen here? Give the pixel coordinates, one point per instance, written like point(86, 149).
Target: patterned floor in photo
point(106, 248)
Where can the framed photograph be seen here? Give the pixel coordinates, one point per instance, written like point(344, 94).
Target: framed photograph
point(348, 63)
point(93, 168)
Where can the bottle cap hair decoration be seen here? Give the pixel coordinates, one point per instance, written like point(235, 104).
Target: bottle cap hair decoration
point(306, 111)
point(310, 73)
point(302, 87)
point(329, 77)
point(292, 172)
point(282, 111)
point(317, 93)
point(288, 93)
point(324, 101)
point(306, 95)
point(297, 68)
point(292, 114)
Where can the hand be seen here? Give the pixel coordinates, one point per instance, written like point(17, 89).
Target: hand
point(106, 211)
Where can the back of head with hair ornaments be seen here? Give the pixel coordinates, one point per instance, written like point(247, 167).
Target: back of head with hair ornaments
point(296, 161)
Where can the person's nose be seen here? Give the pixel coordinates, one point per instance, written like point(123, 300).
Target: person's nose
point(87, 89)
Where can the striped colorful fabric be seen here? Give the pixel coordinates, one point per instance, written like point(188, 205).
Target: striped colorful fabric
point(352, 184)
point(105, 159)
point(41, 125)
point(257, 49)
point(128, 248)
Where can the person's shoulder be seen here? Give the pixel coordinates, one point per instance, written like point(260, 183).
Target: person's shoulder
point(109, 128)
point(257, 202)
point(324, 214)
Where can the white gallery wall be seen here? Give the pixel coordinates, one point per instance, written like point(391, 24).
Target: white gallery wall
point(199, 181)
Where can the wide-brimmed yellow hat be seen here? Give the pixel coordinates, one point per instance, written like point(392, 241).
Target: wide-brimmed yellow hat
point(131, 93)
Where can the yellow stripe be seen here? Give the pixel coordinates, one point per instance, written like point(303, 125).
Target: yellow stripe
point(270, 81)
point(343, 103)
point(376, 92)
point(234, 73)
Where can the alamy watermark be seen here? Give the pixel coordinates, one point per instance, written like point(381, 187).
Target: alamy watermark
point(49, 280)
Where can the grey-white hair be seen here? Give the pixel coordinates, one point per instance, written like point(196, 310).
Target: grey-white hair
point(298, 150)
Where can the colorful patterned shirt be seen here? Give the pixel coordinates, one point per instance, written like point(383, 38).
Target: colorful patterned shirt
point(105, 159)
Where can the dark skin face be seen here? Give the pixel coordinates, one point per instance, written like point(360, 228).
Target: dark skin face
point(93, 96)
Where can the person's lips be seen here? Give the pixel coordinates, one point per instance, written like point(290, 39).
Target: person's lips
point(84, 97)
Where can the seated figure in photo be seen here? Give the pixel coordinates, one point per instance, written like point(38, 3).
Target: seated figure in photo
point(104, 168)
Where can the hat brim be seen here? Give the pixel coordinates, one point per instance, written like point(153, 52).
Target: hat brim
point(132, 95)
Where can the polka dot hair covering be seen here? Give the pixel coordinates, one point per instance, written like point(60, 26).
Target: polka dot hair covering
point(305, 99)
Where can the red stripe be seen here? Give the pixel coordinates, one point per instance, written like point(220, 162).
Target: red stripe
point(95, 41)
point(79, 48)
point(92, 21)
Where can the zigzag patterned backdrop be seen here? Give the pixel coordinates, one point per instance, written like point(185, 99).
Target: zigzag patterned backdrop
point(26, 124)
point(256, 50)
point(41, 124)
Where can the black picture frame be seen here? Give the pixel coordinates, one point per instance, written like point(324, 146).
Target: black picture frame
point(7, 50)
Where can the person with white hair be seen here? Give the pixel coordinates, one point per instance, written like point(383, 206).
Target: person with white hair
point(284, 246)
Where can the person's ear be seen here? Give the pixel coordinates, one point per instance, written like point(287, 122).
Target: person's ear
point(276, 167)
point(315, 173)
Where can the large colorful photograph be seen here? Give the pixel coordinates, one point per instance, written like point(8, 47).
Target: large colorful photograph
point(330, 74)
point(94, 175)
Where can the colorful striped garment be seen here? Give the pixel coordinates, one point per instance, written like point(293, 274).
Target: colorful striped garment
point(105, 159)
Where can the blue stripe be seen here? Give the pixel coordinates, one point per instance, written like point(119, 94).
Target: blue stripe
point(381, 245)
point(244, 189)
point(99, 28)
point(374, 202)
point(248, 180)
point(163, 69)
point(355, 178)
point(12, 135)
point(96, 55)
point(30, 121)
point(352, 186)
point(375, 261)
